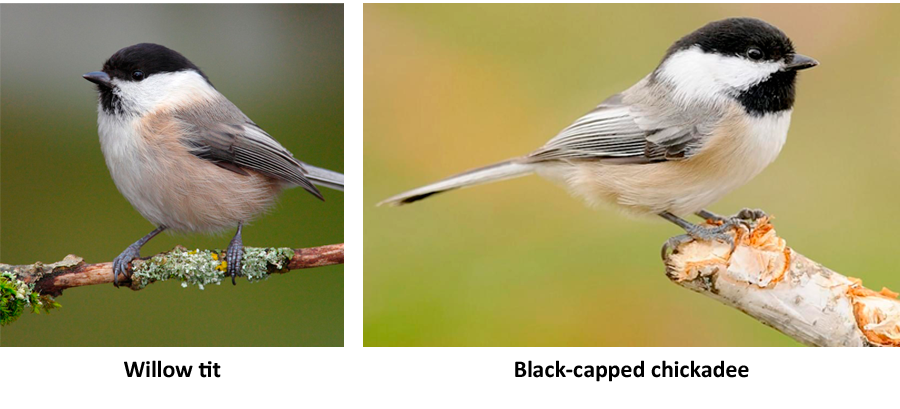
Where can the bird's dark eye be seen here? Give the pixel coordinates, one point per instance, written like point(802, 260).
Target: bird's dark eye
point(754, 54)
point(137, 75)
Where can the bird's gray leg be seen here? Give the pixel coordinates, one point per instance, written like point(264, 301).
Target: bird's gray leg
point(234, 254)
point(697, 232)
point(121, 262)
point(708, 215)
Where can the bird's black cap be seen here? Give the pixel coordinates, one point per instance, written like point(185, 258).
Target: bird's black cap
point(149, 59)
point(734, 36)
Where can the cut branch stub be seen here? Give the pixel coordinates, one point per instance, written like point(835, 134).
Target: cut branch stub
point(787, 291)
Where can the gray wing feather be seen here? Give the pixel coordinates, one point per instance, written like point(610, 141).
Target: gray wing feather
point(325, 177)
point(226, 137)
point(625, 133)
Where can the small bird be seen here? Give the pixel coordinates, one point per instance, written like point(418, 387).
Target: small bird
point(187, 158)
point(708, 119)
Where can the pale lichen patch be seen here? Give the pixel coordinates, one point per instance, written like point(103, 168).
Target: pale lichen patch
point(257, 261)
point(204, 267)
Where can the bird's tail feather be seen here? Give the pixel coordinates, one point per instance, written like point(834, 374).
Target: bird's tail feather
point(325, 177)
point(491, 173)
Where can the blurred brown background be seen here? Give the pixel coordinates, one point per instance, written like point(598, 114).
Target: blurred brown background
point(281, 64)
point(452, 87)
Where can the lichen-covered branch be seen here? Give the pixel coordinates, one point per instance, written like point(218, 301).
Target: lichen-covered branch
point(200, 267)
point(785, 290)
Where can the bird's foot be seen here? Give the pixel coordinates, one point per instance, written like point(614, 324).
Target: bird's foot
point(747, 217)
point(234, 255)
point(122, 261)
point(695, 232)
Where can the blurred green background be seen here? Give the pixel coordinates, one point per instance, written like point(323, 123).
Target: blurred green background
point(281, 64)
point(452, 87)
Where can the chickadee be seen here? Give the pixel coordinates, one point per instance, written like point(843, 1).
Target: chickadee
point(186, 158)
point(709, 118)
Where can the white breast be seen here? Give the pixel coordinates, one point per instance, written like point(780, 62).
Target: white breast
point(766, 136)
point(128, 162)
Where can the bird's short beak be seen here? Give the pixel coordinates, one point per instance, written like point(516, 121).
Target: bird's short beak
point(99, 78)
point(801, 62)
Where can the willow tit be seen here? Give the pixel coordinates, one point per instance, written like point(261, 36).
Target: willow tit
point(186, 158)
point(709, 118)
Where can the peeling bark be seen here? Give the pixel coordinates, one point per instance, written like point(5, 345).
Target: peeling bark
point(781, 288)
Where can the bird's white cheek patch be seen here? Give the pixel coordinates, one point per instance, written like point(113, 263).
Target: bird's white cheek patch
point(701, 76)
point(164, 90)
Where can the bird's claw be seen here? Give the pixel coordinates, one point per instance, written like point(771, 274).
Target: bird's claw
point(121, 263)
point(673, 243)
point(747, 217)
point(750, 214)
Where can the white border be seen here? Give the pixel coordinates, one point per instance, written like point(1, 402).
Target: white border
point(353, 169)
point(429, 377)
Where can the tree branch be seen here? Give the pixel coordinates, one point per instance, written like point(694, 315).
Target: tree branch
point(200, 267)
point(785, 290)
